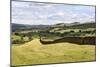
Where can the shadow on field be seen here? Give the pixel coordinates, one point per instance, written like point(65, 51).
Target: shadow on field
point(77, 40)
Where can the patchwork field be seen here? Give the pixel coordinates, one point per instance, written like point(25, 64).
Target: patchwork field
point(34, 52)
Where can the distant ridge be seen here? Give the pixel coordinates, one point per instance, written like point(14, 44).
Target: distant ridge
point(67, 25)
point(71, 24)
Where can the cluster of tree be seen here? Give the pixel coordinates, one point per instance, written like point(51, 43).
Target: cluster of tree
point(23, 38)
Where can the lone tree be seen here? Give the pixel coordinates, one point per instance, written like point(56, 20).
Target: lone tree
point(16, 33)
point(80, 31)
point(71, 31)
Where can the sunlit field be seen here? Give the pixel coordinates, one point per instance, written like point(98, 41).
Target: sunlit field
point(34, 52)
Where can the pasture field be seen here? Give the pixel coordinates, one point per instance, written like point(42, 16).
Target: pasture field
point(34, 52)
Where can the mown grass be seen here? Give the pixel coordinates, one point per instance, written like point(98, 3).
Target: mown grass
point(34, 52)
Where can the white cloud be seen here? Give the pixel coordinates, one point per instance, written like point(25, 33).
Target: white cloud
point(48, 6)
point(41, 13)
point(42, 16)
point(20, 4)
point(60, 14)
point(74, 15)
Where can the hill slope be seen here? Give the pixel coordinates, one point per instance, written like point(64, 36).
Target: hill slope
point(76, 26)
point(60, 25)
point(34, 52)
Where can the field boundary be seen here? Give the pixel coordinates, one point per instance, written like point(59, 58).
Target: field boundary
point(78, 40)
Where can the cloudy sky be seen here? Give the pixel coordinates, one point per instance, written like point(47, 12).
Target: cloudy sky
point(43, 13)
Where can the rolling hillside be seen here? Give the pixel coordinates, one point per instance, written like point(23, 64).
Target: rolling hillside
point(34, 52)
point(18, 27)
point(74, 25)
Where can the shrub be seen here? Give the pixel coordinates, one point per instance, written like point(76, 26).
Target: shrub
point(71, 31)
point(25, 38)
point(16, 33)
point(80, 31)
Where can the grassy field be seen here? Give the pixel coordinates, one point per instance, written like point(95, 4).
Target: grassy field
point(34, 52)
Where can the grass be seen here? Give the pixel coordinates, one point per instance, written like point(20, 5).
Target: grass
point(34, 52)
point(15, 37)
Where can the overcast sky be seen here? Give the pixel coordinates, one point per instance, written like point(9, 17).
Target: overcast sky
point(43, 13)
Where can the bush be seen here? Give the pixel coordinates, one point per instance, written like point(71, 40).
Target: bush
point(71, 31)
point(80, 31)
point(87, 31)
point(16, 33)
point(25, 38)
